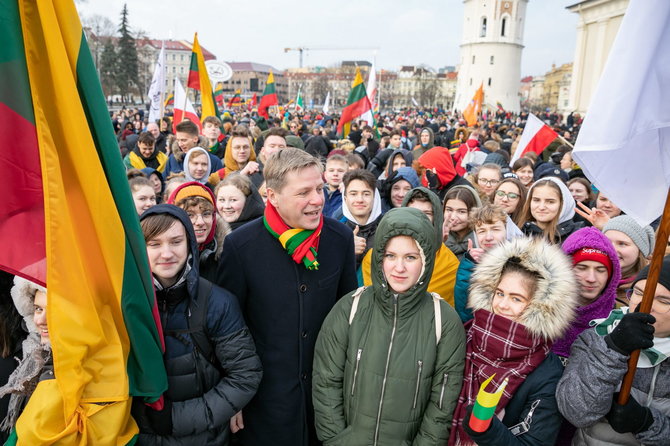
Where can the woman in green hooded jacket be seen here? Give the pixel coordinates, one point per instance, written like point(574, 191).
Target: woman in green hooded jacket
point(389, 358)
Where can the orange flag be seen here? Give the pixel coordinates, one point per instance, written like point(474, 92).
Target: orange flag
point(474, 107)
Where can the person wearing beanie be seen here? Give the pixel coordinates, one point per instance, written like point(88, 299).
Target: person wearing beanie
point(210, 229)
point(597, 272)
point(633, 244)
point(587, 392)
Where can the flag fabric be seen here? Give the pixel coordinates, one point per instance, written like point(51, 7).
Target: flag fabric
point(485, 406)
point(235, 100)
point(326, 104)
point(474, 107)
point(536, 137)
point(371, 89)
point(169, 100)
point(299, 104)
point(624, 143)
point(414, 103)
point(218, 94)
point(198, 79)
point(499, 106)
point(253, 102)
point(183, 108)
point(357, 104)
point(68, 221)
point(269, 97)
point(157, 88)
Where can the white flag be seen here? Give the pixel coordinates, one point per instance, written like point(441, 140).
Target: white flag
point(326, 104)
point(157, 88)
point(416, 104)
point(371, 89)
point(624, 143)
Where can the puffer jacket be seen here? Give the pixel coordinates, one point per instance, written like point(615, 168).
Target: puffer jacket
point(203, 397)
point(584, 394)
point(383, 379)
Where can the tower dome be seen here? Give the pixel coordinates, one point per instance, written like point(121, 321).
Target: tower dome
point(491, 52)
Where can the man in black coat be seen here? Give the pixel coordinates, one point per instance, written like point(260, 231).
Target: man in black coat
point(285, 297)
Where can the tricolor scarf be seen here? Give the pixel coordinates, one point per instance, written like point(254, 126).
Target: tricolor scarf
point(497, 345)
point(301, 244)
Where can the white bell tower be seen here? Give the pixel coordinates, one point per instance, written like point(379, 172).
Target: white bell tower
point(491, 52)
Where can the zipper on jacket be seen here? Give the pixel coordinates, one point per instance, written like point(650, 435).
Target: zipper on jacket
point(358, 360)
point(386, 369)
point(418, 381)
point(444, 385)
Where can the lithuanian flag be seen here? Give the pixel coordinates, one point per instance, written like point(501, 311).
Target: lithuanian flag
point(218, 94)
point(198, 79)
point(235, 100)
point(67, 219)
point(357, 104)
point(169, 100)
point(485, 406)
point(474, 107)
point(269, 97)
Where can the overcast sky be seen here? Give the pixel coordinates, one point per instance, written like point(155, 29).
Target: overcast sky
point(406, 32)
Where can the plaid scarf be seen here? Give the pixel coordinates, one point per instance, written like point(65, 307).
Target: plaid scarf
point(301, 244)
point(497, 345)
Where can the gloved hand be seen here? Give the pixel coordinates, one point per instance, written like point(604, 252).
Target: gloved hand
point(634, 332)
point(631, 417)
point(433, 180)
point(161, 420)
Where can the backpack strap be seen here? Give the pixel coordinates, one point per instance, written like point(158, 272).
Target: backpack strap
point(197, 321)
point(354, 306)
point(438, 317)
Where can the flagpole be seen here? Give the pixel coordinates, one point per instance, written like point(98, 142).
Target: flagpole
point(648, 296)
point(566, 142)
point(185, 100)
point(162, 89)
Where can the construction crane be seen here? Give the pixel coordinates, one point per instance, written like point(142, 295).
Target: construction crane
point(302, 49)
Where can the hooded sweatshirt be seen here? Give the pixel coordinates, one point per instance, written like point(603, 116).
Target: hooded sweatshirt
point(367, 230)
point(601, 307)
point(438, 158)
point(382, 374)
point(420, 149)
point(187, 171)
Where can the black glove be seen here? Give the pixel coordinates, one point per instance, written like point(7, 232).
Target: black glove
point(161, 420)
point(631, 417)
point(433, 180)
point(634, 332)
point(466, 423)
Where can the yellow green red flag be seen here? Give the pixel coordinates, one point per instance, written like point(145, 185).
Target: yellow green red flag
point(106, 343)
point(198, 79)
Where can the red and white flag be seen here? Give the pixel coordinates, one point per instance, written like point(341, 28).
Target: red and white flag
point(536, 137)
point(183, 109)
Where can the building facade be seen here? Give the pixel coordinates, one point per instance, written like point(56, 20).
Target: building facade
point(251, 77)
point(491, 50)
point(597, 26)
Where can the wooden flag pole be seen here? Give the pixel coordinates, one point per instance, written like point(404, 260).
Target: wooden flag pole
point(648, 296)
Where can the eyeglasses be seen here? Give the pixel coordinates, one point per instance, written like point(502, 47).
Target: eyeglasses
point(488, 182)
point(206, 216)
point(509, 195)
point(661, 304)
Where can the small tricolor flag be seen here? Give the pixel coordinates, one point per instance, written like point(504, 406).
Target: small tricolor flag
point(485, 406)
point(357, 104)
point(169, 100)
point(269, 97)
point(235, 100)
point(198, 79)
point(536, 137)
point(474, 107)
point(500, 106)
point(252, 102)
point(68, 221)
point(299, 104)
point(218, 94)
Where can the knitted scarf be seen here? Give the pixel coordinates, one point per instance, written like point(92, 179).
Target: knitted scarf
point(301, 244)
point(497, 345)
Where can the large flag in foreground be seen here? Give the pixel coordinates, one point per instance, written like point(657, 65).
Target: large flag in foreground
point(536, 137)
point(357, 105)
point(269, 97)
point(624, 143)
point(68, 184)
point(474, 107)
point(198, 79)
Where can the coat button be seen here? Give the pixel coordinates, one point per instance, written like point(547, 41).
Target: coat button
point(304, 334)
point(303, 288)
point(304, 376)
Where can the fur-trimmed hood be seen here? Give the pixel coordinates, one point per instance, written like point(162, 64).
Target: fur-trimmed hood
point(23, 295)
point(552, 308)
point(179, 155)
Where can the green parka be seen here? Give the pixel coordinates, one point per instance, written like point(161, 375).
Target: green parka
point(383, 379)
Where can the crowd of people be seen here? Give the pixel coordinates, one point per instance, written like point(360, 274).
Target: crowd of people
point(315, 289)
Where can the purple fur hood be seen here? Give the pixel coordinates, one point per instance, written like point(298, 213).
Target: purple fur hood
point(590, 238)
